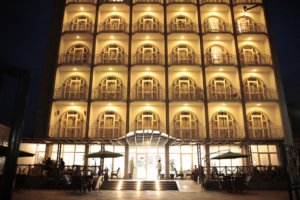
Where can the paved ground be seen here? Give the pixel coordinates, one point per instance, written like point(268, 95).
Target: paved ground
point(188, 191)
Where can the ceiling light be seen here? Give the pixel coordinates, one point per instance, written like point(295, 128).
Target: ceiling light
point(81, 8)
point(215, 8)
point(258, 104)
point(182, 37)
point(111, 37)
point(77, 36)
point(148, 8)
point(148, 68)
point(221, 69)
point(182, 8)
point(185, 104)
point(147, 37)
point(114, 8)
point(223, 104)
point(218, 37)
point(110, 69)
point(72, 103)
point(74, 69)
point(255, 70)
point(249, 38)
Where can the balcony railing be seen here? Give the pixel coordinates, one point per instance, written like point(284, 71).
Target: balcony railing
point(71, 94)
point(112, 59)
point(257, 59)
point(182, 1)
point(111, 27)
point(74, 59)
point(265, 95)
point(220, 59)
point(153, 59)
point(112, 95)
point(148, 95)
point(251, 28)
point(232, 95)
point(67, 131)
point(113, 1)
point(271, 132)
point(217, 28)
point(182, 28)
point(192, 59)
point(186, 133)
point(81, 1)
point(214, 1)
point(106, 132)
point(183, 95)
point(227, 133)
point(72, 27)
point(148, 1)
point(247, 1)
point(145, 128)
point(158, 27)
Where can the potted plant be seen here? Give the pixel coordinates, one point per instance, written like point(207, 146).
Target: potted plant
point(172, 168)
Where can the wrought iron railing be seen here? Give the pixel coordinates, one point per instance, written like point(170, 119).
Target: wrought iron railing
point(148, 1)
point(81, 1)
point(265, 95)
point(112, 59)
point(106, 132)
point(67, 131)
point(220, 59)
point(232, 95)
point(144, 59)
point(185, 95)
point(227, 133)
point(250, 28)
point(151, 95)
point(187, 133)
point(214, 1)
point(111, 27)
point(104, 95)
point(182, 1)
point(147, 129)
point(72, 27)
point(270, 132)
point(257, 59)
point(217, 28)
point(71, 94)
point(113, 1)
point(247, 1)
point(156, 27)
point(177, 59)
point(182, 28)
point(74, 59)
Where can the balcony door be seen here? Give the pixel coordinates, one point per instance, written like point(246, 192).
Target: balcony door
point(220, 88)
point(223, 126)
point(184, 89)
point(148, 23)
point(147, 88)
point(113, 54)
point(185, 125)
point(108, 126)
point(114, 23)
point(111, 88)
point(217, 55)
point(148, 54)
point(147, 121)
point(215, 24)
point(81, 23)
point(74, 88)
point(78, 54)
point(254, 89)
point(250, 55)
point(182, 54)
point(258, 125)
point(181, 23)
point(245, 24)
point(71, 124)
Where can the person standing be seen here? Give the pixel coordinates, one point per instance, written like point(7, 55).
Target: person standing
point(61, 165)
point(159, 167)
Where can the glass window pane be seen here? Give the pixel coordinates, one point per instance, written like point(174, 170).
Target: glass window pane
point(132, 149)
point(264, 159)
point(152, 150)
point(68, 148)
point(255, 159)
point(54, 148)
point(263, 148)
point(272, 148)
point(68, 158)
point(237, 162)
point(161, 149)
point(174, 149)
point(176, 159)
point(186, 149)
point(253, 148)
point(274, 159)
point(120, 149)
point(109, 148)
point(79, 159)
point(80, 148)
point(186, 162)
point(41, 147)
point(94, 148)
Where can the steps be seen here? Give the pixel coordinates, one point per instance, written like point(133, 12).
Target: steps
point(139, 185)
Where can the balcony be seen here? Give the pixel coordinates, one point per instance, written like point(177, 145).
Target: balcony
point(148, 1)
point(109, 95)
point(217, 28)
point(153, 59)
point(111, 59)
point(157, 27)
point(182, 28)
point(67, 94)
point(74, 59)
point(186, 133)
point(111, 27)
point(152, 129)
point(114, 1)
point(182, 1)
point(250, 28)
point(232, 95)
point(247, 1)
point(220, 59)
point(81, 1)
point(192, 59)
point(106, 132)
point(184, 95)
point(156, 94)
point(271, 132)
point(67, 131)
point(227, 133)
point(255, 59)
point(214, 1)
point(78, 28)
point(265, 95)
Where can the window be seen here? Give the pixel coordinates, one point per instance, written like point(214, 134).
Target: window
point(78, 54)
point(72, 154)
point(110, 88)
point(112, 54)
point(185, 125)
point(214, 24)
point(254, 89)
point(250, 55)
point(181, 23)
point(74, 88)
point(71, 125)
point(185, 88)
point(183, 54)
point(148, 54)
point(147, 121)
point(223, 126)
point(108, 125)
point(220, 88)
point(148, 23)
point(245, 24)
point(264, 155)
point(81, 23)
point(229, 163)
point(114, 23)
point(258, 125)
point(217, 55)
point(147, 88)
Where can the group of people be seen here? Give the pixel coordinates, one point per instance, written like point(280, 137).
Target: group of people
point(50, 166)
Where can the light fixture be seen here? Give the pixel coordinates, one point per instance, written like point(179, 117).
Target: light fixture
point(109, 104)
point(182, 37)
point(74, 69)
point(112, 37)
point(114, 8)
point(215, 8)
point(185, 104)
point(182, 8)
point(254, 70)
point(77, 36)
point(258, 104)
point(110, 69)
point(148, 8)
point(147, 37)
point(221, 69)
point(184, 69)
point(81, 8)
point(249, 38)
point(218, 37)
point(72, 104)
point(224, 104)
point(148, 68)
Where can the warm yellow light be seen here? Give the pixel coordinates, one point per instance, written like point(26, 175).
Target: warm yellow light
point(110, 69)
point(182, 8)
point(182, 37)
point(249, 38)
point(223, 104)
point(185, 104)
point(218, 37)
point(215, 8)
point(81, 8)
point(114, 8)
point(221, 69)
point(112, 37)
point(148, 8)
point(74, 69)
point(255, 70)
point(183, 69)
point(148, 68)
point(77, 36)
point(258, 104)
point(72, 104)
point(147, 37)
point(109, 104)
point(147, 104)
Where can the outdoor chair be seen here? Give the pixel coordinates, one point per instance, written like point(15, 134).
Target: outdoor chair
point(115, 173)
point(178, 174)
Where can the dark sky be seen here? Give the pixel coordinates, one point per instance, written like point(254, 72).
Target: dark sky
point(24, 33)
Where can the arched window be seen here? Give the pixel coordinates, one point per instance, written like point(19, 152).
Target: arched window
point(71, 125)
point(223, 126)
point(221, 89)
point(183, 54)
point(147, 121)
point(181, 23)
point(258, 125)
point(108, 125)
point(185, 88)
point(148, 54)
point(185, 125)
point(148, 23)
point(245, 24)
point(254, 89)
point(114, 23)
point(214, 24)
point(147, 88)
point(78, 54)
point(249, 55)
point(81, 23)
point(110, 88)
point(112, 54)
point(217, 55)
point(74, 87)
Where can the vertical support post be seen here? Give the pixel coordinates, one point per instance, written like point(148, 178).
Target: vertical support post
point(126, 164)
point(207, 161)
point(58, 155)
point(86, 152)
point(167, 160)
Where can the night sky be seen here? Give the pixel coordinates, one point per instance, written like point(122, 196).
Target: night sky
point(24, 33)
